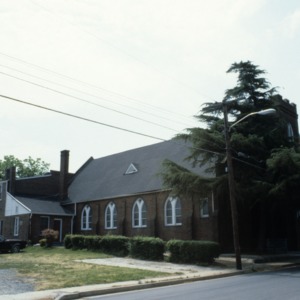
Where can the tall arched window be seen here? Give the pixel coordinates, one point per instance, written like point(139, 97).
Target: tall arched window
point(111, 216)
point(139, 213)
point(290, 132)
point(204, 211)
point(173, 211)
point(86, 218)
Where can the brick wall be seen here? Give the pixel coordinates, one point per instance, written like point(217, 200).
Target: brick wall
point(192, 227)
point(35, 234)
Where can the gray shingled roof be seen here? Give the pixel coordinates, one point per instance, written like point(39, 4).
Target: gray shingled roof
point(105, 177)
point(45, 207)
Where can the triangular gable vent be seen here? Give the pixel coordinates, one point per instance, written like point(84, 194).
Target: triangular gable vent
point(131, 169)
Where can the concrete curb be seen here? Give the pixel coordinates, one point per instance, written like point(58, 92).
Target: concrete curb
point(117, 287)
point(139, 286)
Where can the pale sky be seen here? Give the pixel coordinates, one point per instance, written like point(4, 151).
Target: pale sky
point(141, 65)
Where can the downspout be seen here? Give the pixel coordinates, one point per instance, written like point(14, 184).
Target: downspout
point(29, 231)
point(72, 220)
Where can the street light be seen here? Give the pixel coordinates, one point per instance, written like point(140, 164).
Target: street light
point(231, 182)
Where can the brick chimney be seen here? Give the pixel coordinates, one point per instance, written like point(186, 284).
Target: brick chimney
point(10, 175)
point(64, 171)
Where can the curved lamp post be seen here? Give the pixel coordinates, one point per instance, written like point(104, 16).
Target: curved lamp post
point(231, 182)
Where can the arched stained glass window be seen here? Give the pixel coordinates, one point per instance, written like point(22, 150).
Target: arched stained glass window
point(111, 216)
point(86, 218)
point(139, 213)
point(173, 211)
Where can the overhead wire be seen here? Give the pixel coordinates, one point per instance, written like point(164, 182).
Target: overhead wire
point(79, 117)
point(89, 94)
point(92, 121)
point(115, 127)
point(93, 86)
point(80, 99)
point(87, 101)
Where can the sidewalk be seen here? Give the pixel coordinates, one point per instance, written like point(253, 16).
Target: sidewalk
point(179, 273)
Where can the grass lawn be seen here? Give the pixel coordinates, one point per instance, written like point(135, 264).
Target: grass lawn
point(53, 268)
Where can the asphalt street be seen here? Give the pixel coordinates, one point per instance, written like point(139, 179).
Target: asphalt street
point(275, 285)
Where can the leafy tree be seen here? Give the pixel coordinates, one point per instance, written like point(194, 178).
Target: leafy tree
point(24, 168)
point(253, 142)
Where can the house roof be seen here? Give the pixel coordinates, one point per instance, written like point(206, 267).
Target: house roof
point(108, 177)
point(45, 207)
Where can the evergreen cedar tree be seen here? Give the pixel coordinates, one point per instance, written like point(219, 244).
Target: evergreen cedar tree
point(266, 162)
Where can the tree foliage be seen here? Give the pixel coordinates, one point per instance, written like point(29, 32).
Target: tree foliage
point(252, 141)
point(24, 168)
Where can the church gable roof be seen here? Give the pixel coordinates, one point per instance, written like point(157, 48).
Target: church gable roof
point(104, 178)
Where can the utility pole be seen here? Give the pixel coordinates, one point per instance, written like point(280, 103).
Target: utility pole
point(232, 192)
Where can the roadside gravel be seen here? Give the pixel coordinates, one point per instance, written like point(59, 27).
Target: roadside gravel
point(12, 283)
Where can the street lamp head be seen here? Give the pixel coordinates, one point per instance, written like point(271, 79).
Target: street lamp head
point(264, 112)
point(269, 111)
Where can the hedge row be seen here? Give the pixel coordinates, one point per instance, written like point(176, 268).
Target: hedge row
point(111, 244)
point(148, 248)
point(192, 251)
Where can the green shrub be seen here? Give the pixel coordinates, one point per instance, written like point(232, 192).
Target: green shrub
point(77, 242)
point(92, 242)
point(43, 242)
point(193, 251)
point(68, 241)
point(147, 248)
point(114, 244)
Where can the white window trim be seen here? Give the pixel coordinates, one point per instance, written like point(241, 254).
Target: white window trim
point(202, 213)
point(110, 208)
point(87, 210)
point(173, 201)
point(139, 203)
point(16, 226)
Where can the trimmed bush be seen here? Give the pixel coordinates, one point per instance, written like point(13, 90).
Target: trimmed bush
point(147, 248)
point(114, 244)
point(92, 242)
point(77, 242)
point(68, 241)
point(193, 251)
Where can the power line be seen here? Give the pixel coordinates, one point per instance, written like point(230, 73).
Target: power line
point(83, 100)
point(89, 94)
point(80, 118)
point(116, 127)
point(91, 85)
point(97, 122)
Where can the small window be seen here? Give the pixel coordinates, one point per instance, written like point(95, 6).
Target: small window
point(44, 223)
point(86, 218)
point(173, 211)
point(16, 226)
point(139, 214)
point(204, 212)
point(111, 216)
